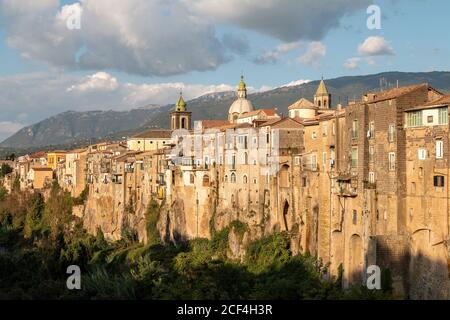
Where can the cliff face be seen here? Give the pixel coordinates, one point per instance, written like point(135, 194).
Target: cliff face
point(107, 208)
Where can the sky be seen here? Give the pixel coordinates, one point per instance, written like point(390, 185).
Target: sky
point(60, 55)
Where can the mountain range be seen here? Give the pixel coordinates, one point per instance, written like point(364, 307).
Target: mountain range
point(72, 128)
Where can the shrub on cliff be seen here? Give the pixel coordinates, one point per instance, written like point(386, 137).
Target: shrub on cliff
point(267, 252)
point(5, 169)
point(58, 210)
point(151, 218)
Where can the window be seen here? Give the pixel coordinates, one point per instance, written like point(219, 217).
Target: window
point(314, 135)
point(439, 149)
point(354, 157)
point(324, 160)
point(334, 128)
point(267, 138)
point(371, 133)
point(438, 181)
point(226, 178)
point(304, 182)
point(392, 161)
point(324, 129)
point(420, 172)
point(443, 115)
point(391, 133)
point(414, 119)
point(371, 153)
point(413, 187)
point(297, 161)
point(205, 180)
point(243, 141)
point(245, 158)
point(430, 119)
point(314, 162)
point(372, 177)
point(233, 178)
point(422, 153)
point(355, 217)
point(355, 128)
point(245, 179)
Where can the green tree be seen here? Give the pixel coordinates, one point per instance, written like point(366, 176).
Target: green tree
point(33, 219)
point(5, 169)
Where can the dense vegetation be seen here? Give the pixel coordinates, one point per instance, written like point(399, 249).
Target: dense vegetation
point(40, 239)
point(5, 169)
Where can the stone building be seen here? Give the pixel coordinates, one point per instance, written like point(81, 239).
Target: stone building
point(355, 186)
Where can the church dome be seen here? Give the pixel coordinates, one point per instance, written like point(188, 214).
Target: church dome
point(242, 104)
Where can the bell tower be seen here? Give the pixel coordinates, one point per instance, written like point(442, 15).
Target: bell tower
point(322, 98)
point(180, 118)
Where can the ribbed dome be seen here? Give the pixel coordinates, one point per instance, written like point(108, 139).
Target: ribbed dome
point(241, 106)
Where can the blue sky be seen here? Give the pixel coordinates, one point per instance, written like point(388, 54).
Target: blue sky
point(138, 52)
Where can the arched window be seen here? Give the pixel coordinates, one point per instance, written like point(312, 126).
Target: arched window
point(325, 103)
point(245, 179)
point(233, 178)
point(245, 158)
point(183, 123)
point(319, 103)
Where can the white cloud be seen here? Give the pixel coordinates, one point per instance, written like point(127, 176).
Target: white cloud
point(154, 37)
point(136, 36)
point(352, 63)
point(315, 52)
point(98, 81)
point(14, 7)
point(287, 20)
point(375, 46)
point(272, 56)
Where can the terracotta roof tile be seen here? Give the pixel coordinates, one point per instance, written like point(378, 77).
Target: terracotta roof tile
point(154, 134)
point(373, 97)
point(302, 104)
point(207, 124)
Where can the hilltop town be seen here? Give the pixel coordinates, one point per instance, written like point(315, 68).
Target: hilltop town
point(357, 185)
